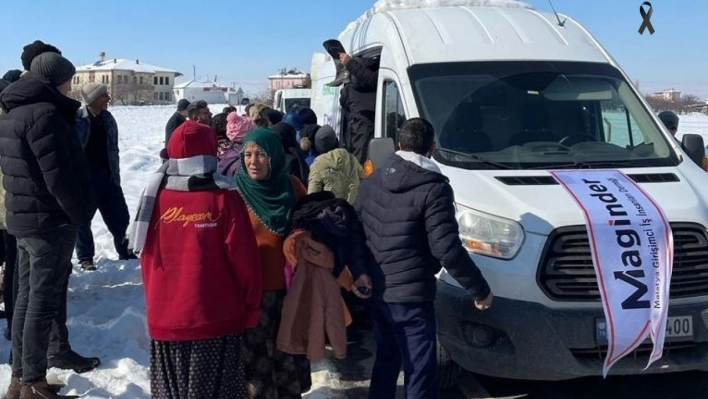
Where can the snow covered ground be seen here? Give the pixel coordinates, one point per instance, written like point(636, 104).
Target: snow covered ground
point(106, 307)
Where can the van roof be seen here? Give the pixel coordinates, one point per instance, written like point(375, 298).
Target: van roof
point(469, 33)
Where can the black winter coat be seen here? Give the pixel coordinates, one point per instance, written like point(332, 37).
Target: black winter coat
point(45, 171)
point(359, 100)
point(408, 215)
point(173, 123)
point(3, 85)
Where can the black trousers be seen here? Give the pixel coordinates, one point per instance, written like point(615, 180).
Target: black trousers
point(44, 265)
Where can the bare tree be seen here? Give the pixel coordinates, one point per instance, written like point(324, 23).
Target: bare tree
point(307, 83)
point(660, 103)
point(687, 103)
point(265, 96)
point(75, 92)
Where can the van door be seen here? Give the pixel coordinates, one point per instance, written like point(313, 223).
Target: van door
point(390, 115)
point(393, 113)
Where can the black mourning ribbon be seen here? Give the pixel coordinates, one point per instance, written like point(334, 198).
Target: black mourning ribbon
point(646, 16)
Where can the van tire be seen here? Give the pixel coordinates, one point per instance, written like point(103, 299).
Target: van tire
point(448, 370)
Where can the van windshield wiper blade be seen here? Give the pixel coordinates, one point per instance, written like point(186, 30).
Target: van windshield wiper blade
point(584, 165)
point(476, 158)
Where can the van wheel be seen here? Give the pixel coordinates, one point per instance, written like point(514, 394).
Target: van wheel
point(448, 370)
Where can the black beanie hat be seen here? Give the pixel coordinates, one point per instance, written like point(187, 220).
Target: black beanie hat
point(273, 115)
point(669, 119)
point(54, 67)
point(12, 75)
point(308, 116)
point(34, 49)
point(326, 139)
point(182, 105)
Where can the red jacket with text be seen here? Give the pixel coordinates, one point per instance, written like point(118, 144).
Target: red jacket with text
point(200, 266)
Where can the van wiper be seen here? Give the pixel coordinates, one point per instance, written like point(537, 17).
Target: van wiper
point(585, 165)
point(476, 158)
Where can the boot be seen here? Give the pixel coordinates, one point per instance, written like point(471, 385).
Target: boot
point(73, 361)
point(87, 265)
point(14, 391)
point(342, 76)
point(333, 47)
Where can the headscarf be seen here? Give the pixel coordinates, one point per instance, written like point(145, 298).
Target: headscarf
point(237, 127)
point(273, 199)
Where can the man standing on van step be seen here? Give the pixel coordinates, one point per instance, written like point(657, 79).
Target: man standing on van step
point(409, 243)
point(358, 99)
point(98, 133)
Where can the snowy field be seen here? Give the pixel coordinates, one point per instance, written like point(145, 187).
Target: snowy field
point(106, 307)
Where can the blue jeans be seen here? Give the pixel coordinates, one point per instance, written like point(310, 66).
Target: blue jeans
point(110, 201)
point(405, 337)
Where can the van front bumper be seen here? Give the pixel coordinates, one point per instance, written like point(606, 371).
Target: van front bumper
point(524, 340)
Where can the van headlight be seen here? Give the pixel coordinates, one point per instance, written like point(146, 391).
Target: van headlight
point(489, 235)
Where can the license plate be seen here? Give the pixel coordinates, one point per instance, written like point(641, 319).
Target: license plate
point(676, 327)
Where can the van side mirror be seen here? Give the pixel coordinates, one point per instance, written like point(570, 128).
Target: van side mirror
point(380, 150)
point(695, 148)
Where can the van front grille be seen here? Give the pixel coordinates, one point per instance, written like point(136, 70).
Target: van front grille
point(566, 271)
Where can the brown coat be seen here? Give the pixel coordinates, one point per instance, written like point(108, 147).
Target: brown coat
point(313, 306)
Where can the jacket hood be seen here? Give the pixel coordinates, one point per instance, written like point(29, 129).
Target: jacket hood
point(32, 89)
point(340, 159)
point(403, 174)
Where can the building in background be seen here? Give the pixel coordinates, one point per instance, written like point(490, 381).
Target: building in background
point(288, 79)
point(670, 95)
point(129, 81)
point(211, 92)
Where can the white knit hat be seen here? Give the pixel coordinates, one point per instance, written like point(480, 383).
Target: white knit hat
point(92, 92)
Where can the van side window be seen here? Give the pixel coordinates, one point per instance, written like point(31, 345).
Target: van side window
point(393, 113)
point(620, 128)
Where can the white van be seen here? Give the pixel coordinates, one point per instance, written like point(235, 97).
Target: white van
point(285, 100)
point(513, 94)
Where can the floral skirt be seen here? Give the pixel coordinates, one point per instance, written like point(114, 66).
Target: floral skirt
point(211, 368)
point(270, 373)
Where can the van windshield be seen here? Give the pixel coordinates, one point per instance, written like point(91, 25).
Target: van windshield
point(293, 104)
point(537, 115)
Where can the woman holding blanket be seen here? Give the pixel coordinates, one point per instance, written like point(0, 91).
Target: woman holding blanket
point(270, 194)
point(200, 270)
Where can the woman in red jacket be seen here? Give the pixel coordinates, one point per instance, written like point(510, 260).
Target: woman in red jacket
point(201, 272)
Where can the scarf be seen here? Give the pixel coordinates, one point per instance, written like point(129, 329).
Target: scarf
point(273, 199)
point(420, 160)
point(187, 174)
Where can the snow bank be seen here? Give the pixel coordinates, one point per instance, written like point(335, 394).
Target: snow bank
point(390, 5)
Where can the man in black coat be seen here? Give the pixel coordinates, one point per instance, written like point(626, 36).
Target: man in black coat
point(358, 100)
point(178, 118)
point(47, 193)
point(408, 213)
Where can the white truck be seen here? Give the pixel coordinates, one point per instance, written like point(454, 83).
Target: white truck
point(285, 100)
point(512, 94)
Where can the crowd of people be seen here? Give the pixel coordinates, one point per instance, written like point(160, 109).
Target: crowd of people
point(259, 239)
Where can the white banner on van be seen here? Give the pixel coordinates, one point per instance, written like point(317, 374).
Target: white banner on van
point(632, 252)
